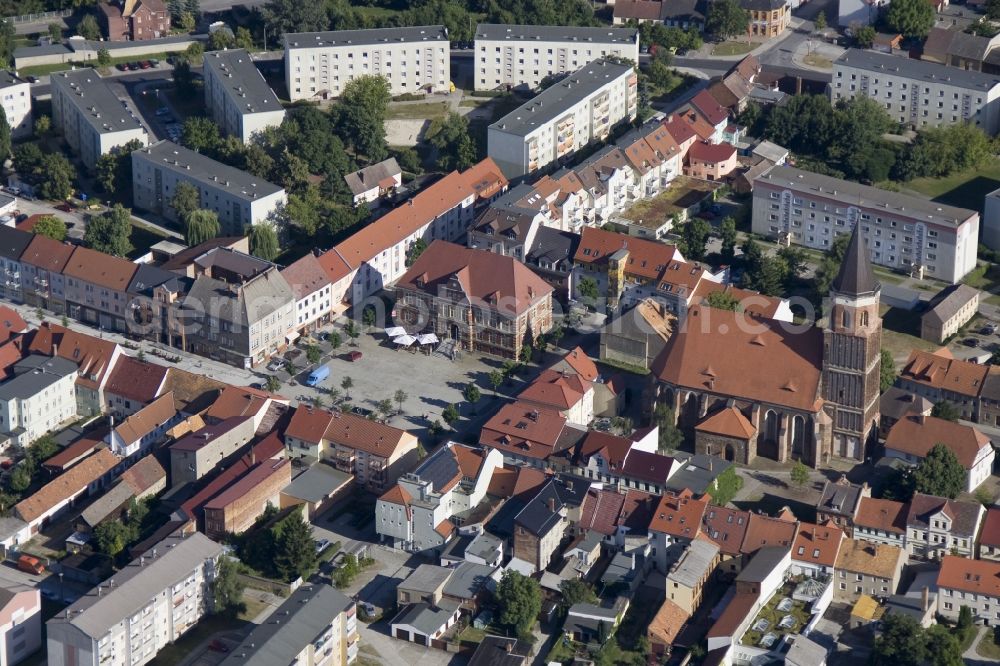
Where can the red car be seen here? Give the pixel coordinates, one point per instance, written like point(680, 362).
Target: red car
point(354, 356)
point(66, 208)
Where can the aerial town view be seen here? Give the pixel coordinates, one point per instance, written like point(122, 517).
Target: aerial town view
point(499, 332)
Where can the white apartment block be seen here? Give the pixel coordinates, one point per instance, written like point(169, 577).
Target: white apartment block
point(919, 93)
point(39, 398)
point(412, 60)
point(991, 220)
point(911, 234)
point(239, 198)
point(90, 116)
point(16, 97)
point(565, 117)
point(240, 101)
point(147, 605)
point(524, 55)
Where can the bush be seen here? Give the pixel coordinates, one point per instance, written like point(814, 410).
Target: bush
point(409, 97)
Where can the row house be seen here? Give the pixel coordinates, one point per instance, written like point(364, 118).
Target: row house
point(937, 376)
point(865, 568)
point(42, 263)
point(989, 537)
point(620, 461)
point(139, 432)
point(132, 385)
point(83, 479)
point(313, 291)
point(96, 288)
point(376, 454)
point(936, 526)
point(236, 509)
point(972, 583)
point(912, 438)
point(620, 519)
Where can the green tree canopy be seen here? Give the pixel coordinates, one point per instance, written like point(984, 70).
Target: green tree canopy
point(729, 237)
point(722, 300)
point(363, 108)
point(519, 599)
point(295, 552)
point(110, 232)
point(200, 134)
point(5, 147)
point(264, 241)
point(887, 371)
point(51, 226)
point(945, 410)
point(911, 18)
point(575, 591)
point(450, 137)
point(940, 473)
point(186, 199)
point(228, 588)
point(199, 226)
point(284, 16)
point(88, 28)
point(901, 643)
point(727, 18)
point(695, 234)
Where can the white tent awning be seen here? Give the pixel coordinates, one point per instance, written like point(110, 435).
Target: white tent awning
point(405, 340)
point(427, 339)
point(395, 331)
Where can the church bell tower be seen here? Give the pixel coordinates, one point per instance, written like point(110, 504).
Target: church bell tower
point(852, 342)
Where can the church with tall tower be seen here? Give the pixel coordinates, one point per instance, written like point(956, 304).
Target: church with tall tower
point(742, 385)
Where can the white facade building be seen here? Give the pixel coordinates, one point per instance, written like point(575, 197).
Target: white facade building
point(919, 93)
point(567, 116)
point(40, 397)
point(90, 116)
point(524, 55)
point(16, 97)
point(921, 237)
point(144, 607)
point(240, 199)
point(413, 59)
point(240, 101)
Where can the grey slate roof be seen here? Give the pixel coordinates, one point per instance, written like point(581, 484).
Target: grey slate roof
point(697, 472)
point(555, 33)
point(136, 584)
point(467, 580)
point(107, 503)
point(244, 84)
point(856, 277)
point(864, 196)
point(294, 625)
point(13, 242)
point(309, 40)
point(840, 498)
point(257, 299)
point(34, 374)
point(763, 563)
point(805, 652)
point(195, 166)
point(965, 516)
point(918, 70)
point(950, 300)
point(552, 246)
point(426, 578)
point(555, 100)
point(537, 516)
point(896, 403)
point(694, 563)
point(500, 651)
point(93, 96)
point(365, 179)
point(8, 79)
point(316, 483)
point(425, 618)
point(148, 277)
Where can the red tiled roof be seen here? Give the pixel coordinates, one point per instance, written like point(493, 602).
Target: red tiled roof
point(143, 475)
point(136, 380)
point(334, 265)
point(666, 625)
point(817, 544)
point(990, 534)
point(728, 422)
point(647, 466)
point(712, 153)
point(10, 354)
point(11, 324)
point(524, 430)
point(917, 435)
point(237, 401)
point(495, 279)
point(48, 254)
point(92, 355)
point(975, 576)
point(706, 105)
point(940, 370)
point(529, 480)
point(882, 514)
point(726, 527)
point(646, 258)
point(485, 178)
point(261, 473)
point(582, 364)
point(309, 424)
point(396, 495)
point(104, 270)
point(78, 450)
point(357, 432)
point(733, 616)
point(502, 482)
point(66, 485)
point(641, 10)
point(763, 531)
point(555, 389)
point(600, 511)
point(147, 419)
point(679, 515)
point(612, 448)
point(445, 528)
point(305, 276)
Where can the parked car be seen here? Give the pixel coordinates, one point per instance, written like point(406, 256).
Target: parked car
point(121, 67)
point(318, 375)
point(362, 411)
point(275, 364)
point(218, 646)
point(65, 207)
point(971, 342)
point(145, 64)
point(321, 545)
point(32, 79)
point(353, 356)
point(988, 329)
point(29, 564)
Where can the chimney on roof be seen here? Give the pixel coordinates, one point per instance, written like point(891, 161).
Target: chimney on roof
point(509, 647)
point(552, 504)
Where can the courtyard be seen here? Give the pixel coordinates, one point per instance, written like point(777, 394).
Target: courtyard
point(683, 194)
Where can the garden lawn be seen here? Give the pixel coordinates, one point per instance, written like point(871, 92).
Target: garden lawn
point(988, 646)
point(965, 189)
point(417, 110)
point(733, 48)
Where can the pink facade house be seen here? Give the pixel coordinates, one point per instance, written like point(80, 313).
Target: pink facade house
point(20, 623)
point(710, 161)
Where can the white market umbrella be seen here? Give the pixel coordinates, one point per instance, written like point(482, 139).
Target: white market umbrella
point(405, 340)
point(395, 331)
point(427, 339)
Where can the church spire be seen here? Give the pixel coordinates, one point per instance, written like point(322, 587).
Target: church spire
point(856, 277)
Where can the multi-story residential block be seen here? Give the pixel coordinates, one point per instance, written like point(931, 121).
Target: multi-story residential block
point(952, 309)
point(96, 288)
point(375, 453)
point(195, 455)
point(15, 97)
point(237, 508)
point(236, 95)
point(881, 521)
point(13, 243)
point(134, 20)
point(147, 605)
point(486, 302)
point(917, 92)
point(580, 109)
point(420, 512)
point(913, 437)
point(972, 583)
point(240, 199)
point(902, 232)
point(412, 60)
point(768, 18)
point(20, 623)
point(539, 529)
point(41, 266)
point(376, 256)
point(91, 118)
point(687, 577)
point(970, 387)
point(815, 549)
point(84, 478)
point(140, 431)
point(676, 522)
point(317, 626)
point(513, 56)
point(936, 527)
point(239, 309)
point(867, 568)
point(312, 289)
point(38, 399)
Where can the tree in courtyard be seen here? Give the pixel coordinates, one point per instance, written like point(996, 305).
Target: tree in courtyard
point(20, 477)
point(384, 407)
point(901, 642)
point(727, 18)
point(199, 226)
point(945, 410)
point(111, 537)
point(729, 237)
point(43, 125)
point(820, 21)
point(194, 53)
point(227, 589)
point(363, 108)
point(944, 647)
point(186, 199)
point(587, 287)
point(575, 591)
point(347, 383)
point(368, 316)
point(695, 234)
point(7, 35)
point(88, 28)
point(400, 397)
point(864, 37)
point(800, 474)
point(184, 79)
point(519, 598)
point(272, 384)
point(50, 226)
point(295, 552)
point(103, 58)
point(55, 32)
point(56, 175)
point(722, 300)
point(455, 147)
point(887, 371)
point(220, 40)
point(416, 249)
point(110, 232)
point(264, 241)
point(450, 414)
point(496, 380)
point(940, 473)
point(200, 134)
point(829, 265)
point(335, 340)
point(670, 436)
point(471, 393)
point(41, 450)
point(244, 39)
point(911, 18)
point(313, 354)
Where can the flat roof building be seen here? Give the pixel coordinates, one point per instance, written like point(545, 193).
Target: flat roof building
point(239, 198)
point(903, 232)
point(919, 93)
point(237, 96)
point(92, 119)
point(525, 55)
point(565, 117)
point(15, 95)
point(413, 59)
